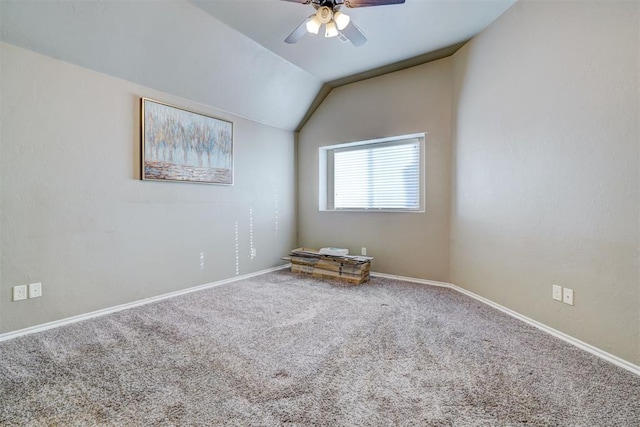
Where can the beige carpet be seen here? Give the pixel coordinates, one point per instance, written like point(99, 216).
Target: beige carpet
point(286, 350)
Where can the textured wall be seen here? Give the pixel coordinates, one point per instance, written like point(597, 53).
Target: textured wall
point(547, 169)
point(76, 218)
point(409, 101)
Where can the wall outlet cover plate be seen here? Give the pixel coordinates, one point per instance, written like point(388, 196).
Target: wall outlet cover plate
point(567, 296)
point(19, 292)
point(35, 290)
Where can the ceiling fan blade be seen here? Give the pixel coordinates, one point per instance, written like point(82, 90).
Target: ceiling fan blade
point(298, 33)
point(299, 1)
point(369, 3)
point(354, 34)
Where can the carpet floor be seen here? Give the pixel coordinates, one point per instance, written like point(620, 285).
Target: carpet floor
point(286, 350)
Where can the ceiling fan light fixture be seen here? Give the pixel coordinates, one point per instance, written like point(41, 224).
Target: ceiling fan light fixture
point(313, 25)
point(341, 20)
point(327, 13)
point(332, 30)
point(324, 15)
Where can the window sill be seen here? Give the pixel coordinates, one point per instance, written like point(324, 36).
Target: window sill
point(412, 211)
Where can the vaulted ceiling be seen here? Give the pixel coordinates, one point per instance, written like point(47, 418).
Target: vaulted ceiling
point(231, 55)
point(395, 32)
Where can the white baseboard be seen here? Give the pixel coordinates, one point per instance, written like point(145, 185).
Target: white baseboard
point(102, 312)
point(571, 340)
point(568, 338)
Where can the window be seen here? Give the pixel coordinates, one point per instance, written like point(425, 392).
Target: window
point(377, 175)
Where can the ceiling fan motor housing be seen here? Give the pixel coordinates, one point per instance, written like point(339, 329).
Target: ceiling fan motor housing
point(328, 3)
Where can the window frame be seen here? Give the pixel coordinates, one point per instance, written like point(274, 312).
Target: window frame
point(326, 173)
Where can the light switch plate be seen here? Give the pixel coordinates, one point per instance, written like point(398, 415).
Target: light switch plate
point(557, 293)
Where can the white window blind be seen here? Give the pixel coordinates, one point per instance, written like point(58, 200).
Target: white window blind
point(380, 175)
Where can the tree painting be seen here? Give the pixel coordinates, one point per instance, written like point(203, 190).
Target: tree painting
point(179, 145)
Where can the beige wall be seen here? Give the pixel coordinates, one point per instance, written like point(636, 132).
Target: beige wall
point(76, 218)
point(409, 101)
point(547, 167)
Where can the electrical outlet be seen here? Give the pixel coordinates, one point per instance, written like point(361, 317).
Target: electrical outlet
point(35, 290)
point(19, 292)
point(557, 293)
point(567, 296)
point(363, 251)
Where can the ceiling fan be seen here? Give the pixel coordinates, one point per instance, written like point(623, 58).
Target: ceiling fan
point(335, 22)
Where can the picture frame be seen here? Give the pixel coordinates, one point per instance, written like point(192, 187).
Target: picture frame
point(179, 145)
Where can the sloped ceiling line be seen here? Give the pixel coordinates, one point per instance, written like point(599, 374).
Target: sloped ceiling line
point(326, 88)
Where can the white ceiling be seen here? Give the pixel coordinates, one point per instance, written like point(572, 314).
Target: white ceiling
point(395, 32)
point(222, 52)
point(171, 46)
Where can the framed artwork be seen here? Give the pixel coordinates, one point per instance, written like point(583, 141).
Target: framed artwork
point(180, 145)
